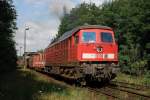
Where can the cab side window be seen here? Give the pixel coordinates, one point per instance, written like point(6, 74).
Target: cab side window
point(76, 39)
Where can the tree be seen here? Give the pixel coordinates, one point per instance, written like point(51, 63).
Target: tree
point(7, 44)
point(130, 20)
point(83, 13)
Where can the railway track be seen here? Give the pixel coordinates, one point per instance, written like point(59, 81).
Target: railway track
point(123, 91)
point(129, 85)
point(103, 91)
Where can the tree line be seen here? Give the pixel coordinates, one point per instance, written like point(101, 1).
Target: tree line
point(8, 55)
point(130, 20)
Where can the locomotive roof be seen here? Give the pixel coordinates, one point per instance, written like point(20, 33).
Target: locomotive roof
point(71, 32)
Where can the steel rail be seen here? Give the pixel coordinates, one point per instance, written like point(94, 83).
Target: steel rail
point(102, 91)
point(130, 91)
point(131, 84)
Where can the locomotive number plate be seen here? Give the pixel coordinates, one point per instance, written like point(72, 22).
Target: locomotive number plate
point(89, 55)
point(100, 55)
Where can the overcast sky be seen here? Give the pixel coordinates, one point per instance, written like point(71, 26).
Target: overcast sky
point(42, 17)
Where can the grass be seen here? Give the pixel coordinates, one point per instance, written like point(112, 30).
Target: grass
point(30, 85)
point(129, 78)
point(141, 80)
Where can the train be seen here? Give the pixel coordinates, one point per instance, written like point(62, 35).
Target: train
point(85, 53)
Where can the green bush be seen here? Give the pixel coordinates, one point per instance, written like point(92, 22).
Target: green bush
point(147, 78)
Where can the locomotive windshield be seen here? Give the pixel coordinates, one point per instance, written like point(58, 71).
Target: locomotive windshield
point(89, 37)
point(106, 37)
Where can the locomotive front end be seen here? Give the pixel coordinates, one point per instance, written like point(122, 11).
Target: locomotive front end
point(98, 54)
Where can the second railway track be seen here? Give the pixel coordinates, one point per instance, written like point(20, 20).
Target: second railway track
point(123, 91)
point(130, 85)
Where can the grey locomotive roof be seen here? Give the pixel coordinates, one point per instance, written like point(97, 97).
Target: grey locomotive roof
point(71, 32)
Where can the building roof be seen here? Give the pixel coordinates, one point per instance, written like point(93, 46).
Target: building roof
point(30, 53)
point(71, 32)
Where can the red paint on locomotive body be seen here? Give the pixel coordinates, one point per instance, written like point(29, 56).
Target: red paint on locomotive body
point(85, 44)
point(98, 50)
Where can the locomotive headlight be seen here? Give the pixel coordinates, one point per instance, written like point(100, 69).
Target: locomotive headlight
point(99, 49)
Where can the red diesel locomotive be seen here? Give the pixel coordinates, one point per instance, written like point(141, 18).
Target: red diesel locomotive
point(85, 53)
